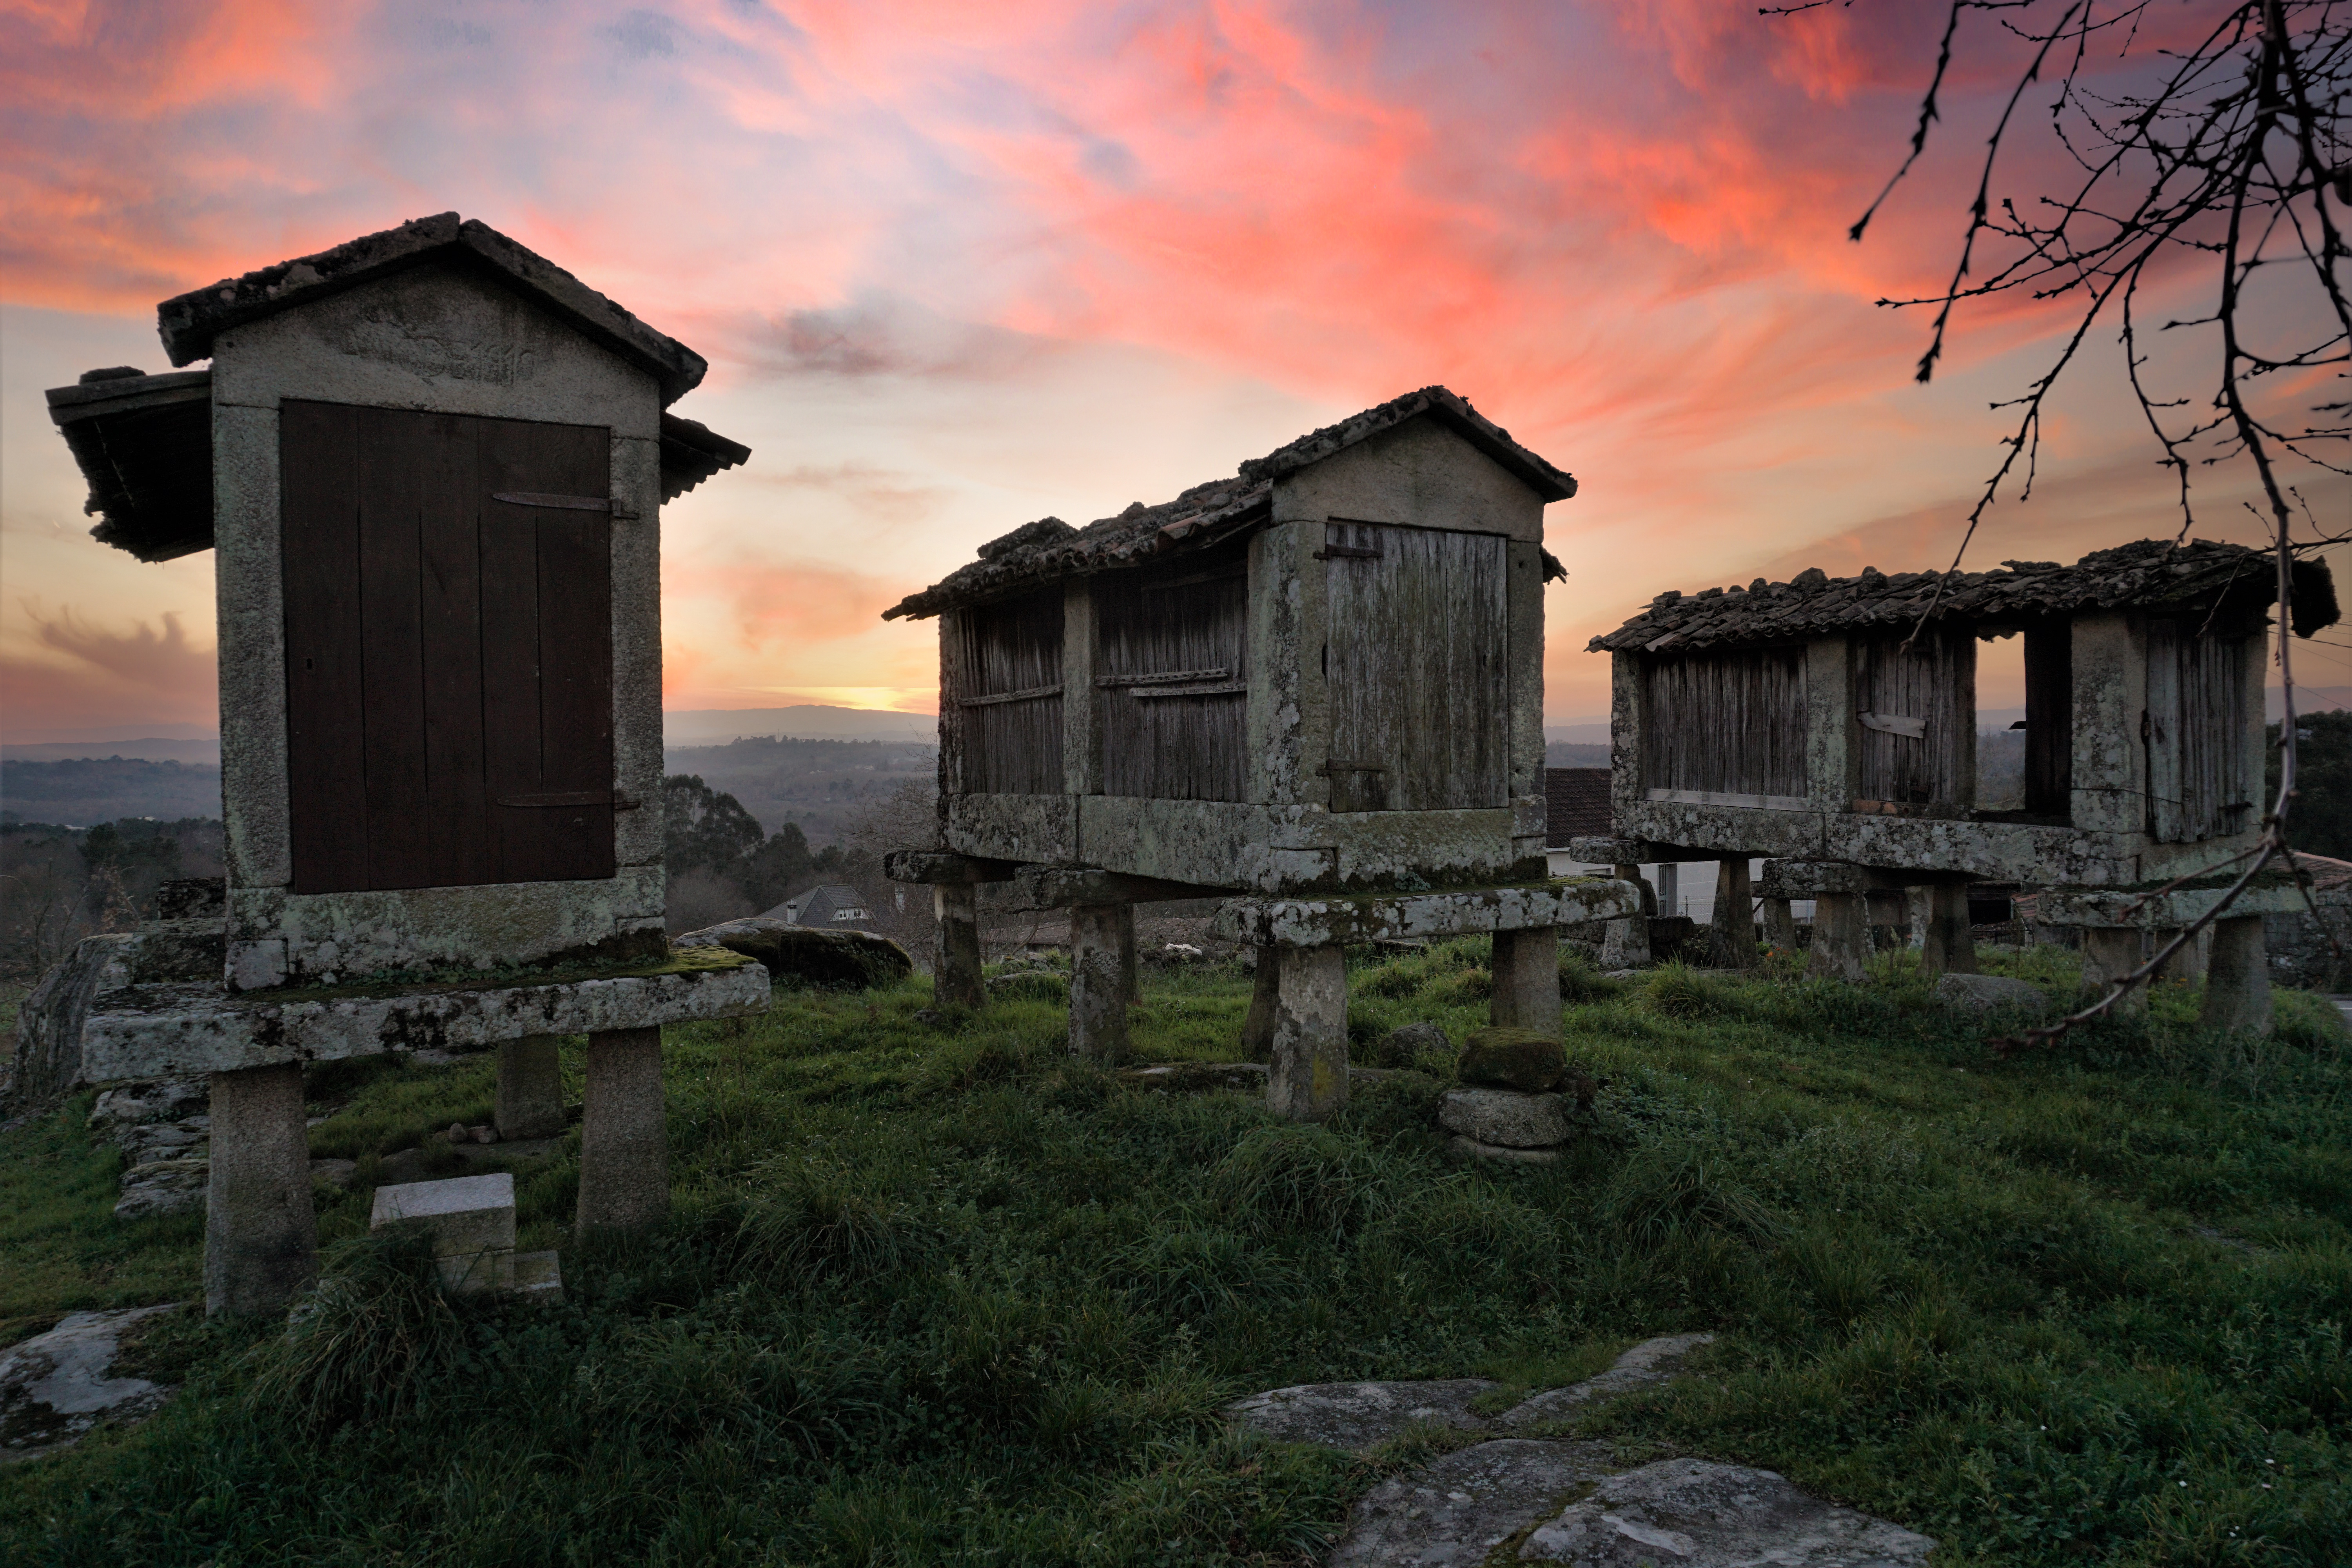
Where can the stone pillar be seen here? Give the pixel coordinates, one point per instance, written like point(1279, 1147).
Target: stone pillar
point(1626, 943)
point(1257, 1029)
point(261, 1235)
point(1946, 946)
point(624, 1140)
point(1131, 975)
point(1840, 937)
point(1735, 916)
point(1309, 1076)
point(2110, 952)
point(1526, 980)
point(1780, 926)
point(2237, 981)
point(955, 965)
point(531, 1087)
point(1670, 888)
point(1099, 961)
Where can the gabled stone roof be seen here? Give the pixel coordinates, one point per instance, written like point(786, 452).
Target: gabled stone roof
point(2147, 575)
point(189, 323)
point(1049, 549)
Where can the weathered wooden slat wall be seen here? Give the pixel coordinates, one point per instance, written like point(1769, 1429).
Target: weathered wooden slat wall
point(1174, 739)
point(1726, 723)
point(2196, 736)
point(448, 655)
point(2049, 719)
point(1936, 682)
point(1011, 743)
point(1418, 668)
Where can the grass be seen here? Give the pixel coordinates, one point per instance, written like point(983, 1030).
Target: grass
point(948, 1296)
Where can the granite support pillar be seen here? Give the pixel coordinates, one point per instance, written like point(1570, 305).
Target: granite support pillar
point(261, 1234)
point(1526, 980)
point(1841, 938)
point(1945, 944)
point(1308, 1080)
point(531, 1087)
point(956, 979)
point(1735, 915)
point(1102, 950)
point(624, 1136)
point(2238, 978)
point(2110, 952)
point(1257, 1029)
point(1780, 926)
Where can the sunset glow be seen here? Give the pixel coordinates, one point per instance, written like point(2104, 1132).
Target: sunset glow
point(957, 268)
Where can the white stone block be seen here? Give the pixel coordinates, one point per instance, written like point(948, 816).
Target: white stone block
point(464, 1214)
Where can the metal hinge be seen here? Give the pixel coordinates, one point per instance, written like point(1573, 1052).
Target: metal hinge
point(556, 798)
point(565, 503)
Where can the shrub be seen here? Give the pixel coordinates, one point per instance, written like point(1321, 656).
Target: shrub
point(362, 1341)
point(815, 1217)
point(1667, 1189)
point(1297, 1179)
point(1676, 991)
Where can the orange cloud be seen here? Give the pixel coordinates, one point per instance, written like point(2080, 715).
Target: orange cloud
point(76, 673)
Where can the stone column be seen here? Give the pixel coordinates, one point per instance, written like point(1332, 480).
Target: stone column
point(1099, 961)
point(261, 1235)
point(2237, 981)
point(1626, 943)
point(955, 965)
point(1670, 888)
point(531, 1087)
point(1735, 917)
point(1526, 980)
point(1309, 1076)
point(1946, 946)
point(1257, 1029)
point(624, 1141)
point(2110, 952)
point(1841, 939)
point(1131, 976)
point(2190, 964)
point(1780, 925)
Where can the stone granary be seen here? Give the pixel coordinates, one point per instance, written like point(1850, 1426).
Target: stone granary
point(432, 466)
point(1791, 720)
point(1318, 682)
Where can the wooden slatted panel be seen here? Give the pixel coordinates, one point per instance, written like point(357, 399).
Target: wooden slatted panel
point(445, 651)
point(1192, 618)
point(2196, 734)
point(326, 745)
point(1936, 682)
point(2049, 719)
point(1015, 646)
point(1418, 668)
point(1726, 723)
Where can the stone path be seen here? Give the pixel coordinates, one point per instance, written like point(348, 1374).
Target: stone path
point(54, 1387)
point(1523, 1499)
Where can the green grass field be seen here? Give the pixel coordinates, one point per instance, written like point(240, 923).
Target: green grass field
point(950, 1296)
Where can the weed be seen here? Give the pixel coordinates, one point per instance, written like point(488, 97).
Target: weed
point(366, 1340)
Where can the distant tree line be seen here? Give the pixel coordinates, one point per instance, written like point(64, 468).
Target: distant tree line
point(2322, 783)
point(60, 884)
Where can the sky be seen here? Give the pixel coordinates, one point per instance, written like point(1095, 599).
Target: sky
point(959, 267)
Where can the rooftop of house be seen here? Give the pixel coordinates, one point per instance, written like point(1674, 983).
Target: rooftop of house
point(2197, 577)
point(189, 323)
point(1049, 549)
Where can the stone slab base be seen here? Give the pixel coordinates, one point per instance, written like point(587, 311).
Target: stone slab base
point(1471, 1149)
point(1391, 917)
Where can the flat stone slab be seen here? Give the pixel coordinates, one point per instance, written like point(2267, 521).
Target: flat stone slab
point(1507, 1117)
point(175, 1031)
point(1696, 1514)
point(1989, 993)
point(464, 1214)
point(2170, 911)
point(54, 1387)
point(1360, 1417)
point(1455, 1511)
point(1391, 917)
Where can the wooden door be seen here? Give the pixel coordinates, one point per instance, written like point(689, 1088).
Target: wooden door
point(1006, 677)
point(1417, 667)
point(1171, 650)
point(2197, 786)
point(449, 594)
point(1917, 708)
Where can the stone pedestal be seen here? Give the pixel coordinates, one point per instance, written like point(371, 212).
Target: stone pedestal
point(1102, 955)
point(1946, 946)
point(1780, 925)
point(624, 1142)
point(1526, 980)
point(1841, 938)
point(530, 1088)
point(2188, 963)
point(1309, 1076)
point(2110, 952)
point(1130, 969)
point(955, 962)
point(1625, 944)
point(261, 1235)
point(1734, 919)
point(2237, 981)
point(1257, 1029)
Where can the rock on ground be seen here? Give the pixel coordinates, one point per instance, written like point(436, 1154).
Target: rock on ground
point(1360, 1416)
point(1695, 1514)
point(161, 1187)
point(54, 1387)
point(810, 956)
point(1405, 1047)
point(1503, 1057)
point(1452, 1512)
point(1505, 1117)
point(1989, 993)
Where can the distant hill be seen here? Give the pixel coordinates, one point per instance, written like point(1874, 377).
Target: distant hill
point(717, 726)
point(818, 784)
point(90, 789)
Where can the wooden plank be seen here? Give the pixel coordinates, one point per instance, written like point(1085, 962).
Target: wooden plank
point(2166, 810)
point(326, 744)
point(1933, 680)
point(458, 849)
point(1012, 650)
point(1730, 797)
point(1730, 723)
point(575, 607)
point(1168, 642)
point(1418, 671)
point(395, 463)
point(2049, 719)
point(510, 662)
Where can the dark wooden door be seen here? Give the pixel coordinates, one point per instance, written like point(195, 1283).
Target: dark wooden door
point(1417, 666)
point(448, 653)
point(1172, 652)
